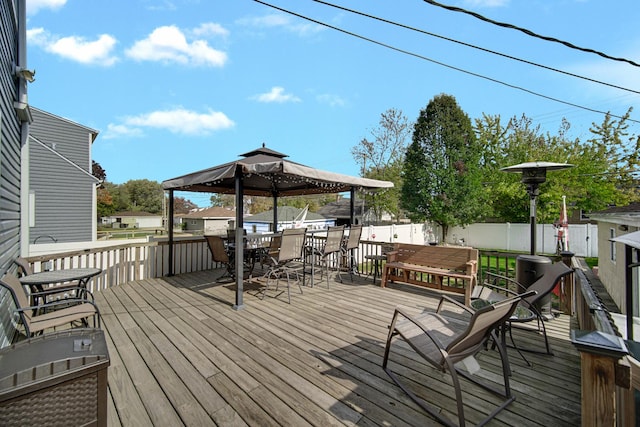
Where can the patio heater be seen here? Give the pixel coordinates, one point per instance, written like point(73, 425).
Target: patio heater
point(530, 268)
point(534, 174)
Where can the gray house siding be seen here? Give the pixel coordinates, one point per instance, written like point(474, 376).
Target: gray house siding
point(63, 192)
point(11, 27)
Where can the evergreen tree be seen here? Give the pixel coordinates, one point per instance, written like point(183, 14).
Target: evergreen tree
point(441, 169)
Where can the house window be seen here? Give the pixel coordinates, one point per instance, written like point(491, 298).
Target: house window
point(612, 245)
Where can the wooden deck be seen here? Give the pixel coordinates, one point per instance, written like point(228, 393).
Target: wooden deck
point(180, 355)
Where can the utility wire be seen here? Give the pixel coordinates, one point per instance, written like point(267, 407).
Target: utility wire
point(442, 63)
point(475, 47)
point(529, 32)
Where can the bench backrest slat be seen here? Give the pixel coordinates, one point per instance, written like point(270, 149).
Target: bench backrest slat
point(447, 257)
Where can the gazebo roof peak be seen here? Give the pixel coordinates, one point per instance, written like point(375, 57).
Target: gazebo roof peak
point(264, 150)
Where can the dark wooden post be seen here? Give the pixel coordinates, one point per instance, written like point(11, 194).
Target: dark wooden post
point(568, 290)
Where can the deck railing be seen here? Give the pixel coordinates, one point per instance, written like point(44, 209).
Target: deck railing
point(608, 384)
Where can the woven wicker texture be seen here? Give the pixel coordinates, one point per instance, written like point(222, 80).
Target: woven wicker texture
point(71, 403)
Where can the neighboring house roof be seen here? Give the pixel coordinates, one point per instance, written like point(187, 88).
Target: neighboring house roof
point(341, 209)
point(626, 215)
point(134, 213)
point(215, 212)
point(285, 213)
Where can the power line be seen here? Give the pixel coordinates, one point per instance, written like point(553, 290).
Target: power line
point(476, 47)
point(471, 73)
point(529, 32)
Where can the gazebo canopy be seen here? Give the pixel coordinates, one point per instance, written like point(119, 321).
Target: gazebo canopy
point(263, 172)
point(267, 173)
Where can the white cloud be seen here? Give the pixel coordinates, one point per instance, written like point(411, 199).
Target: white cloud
point(486, 3)
point(34, 6)
point(277, 94)
point(96, 52)
point(181, 121)
point(210, 29)
point(169, 44)
point(276, 20)
point(332, 100)
point(121, 131)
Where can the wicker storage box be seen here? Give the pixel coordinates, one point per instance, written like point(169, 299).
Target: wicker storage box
point(57, 379)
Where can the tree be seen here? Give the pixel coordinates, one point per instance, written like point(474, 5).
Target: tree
point(601, 174)
point(182, 205)
point(222, 200)
point(145, 195)
point(441, 169)
point(98, 172)
point(104, 203)
point(382, 158)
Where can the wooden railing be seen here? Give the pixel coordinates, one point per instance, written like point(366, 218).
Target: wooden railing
point(608, 385)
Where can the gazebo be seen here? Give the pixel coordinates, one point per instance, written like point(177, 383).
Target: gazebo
point(263, 172)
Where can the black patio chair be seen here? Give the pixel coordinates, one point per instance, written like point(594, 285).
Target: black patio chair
point(497, 287)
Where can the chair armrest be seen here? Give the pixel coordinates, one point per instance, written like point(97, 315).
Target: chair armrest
point(500, 288)
point(400, 312)
point(66, 301)
point(446, 298)
point(61, 289)
point(495, 277)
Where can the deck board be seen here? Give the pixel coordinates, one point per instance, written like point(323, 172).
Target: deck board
point(180, 355)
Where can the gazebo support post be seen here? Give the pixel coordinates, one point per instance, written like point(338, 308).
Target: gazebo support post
point(352, 206)
point(275, 212)
point(239, 305)
point(170, 232)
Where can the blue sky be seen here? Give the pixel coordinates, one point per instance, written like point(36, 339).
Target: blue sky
point(176, 86)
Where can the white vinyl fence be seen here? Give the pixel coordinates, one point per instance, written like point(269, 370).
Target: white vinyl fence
point(583, 238)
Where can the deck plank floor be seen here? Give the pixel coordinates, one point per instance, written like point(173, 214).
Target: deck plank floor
point(180, 355)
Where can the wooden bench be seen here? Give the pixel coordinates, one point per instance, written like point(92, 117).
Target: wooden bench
point(447, 268)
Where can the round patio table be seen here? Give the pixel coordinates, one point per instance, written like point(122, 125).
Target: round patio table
point(38, 281)
point(520, 315)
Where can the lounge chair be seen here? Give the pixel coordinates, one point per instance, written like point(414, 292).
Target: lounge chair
point(445, 340)
point(281, 266)
point(491, 290)
point(36, 319)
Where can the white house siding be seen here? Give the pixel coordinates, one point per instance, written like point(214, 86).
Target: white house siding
point(63, 193)
point(12, 30)
point(612, 271)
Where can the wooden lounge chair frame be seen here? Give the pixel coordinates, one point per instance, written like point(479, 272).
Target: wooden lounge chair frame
point(444, 340)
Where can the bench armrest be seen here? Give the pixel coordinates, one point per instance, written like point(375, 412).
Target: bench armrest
point(392, 256)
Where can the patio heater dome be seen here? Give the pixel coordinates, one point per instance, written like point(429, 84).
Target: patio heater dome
point(534, 174)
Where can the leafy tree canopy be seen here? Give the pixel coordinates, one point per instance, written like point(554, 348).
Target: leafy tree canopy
point(382, 158)
point(601, 176)
point(442, 181)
